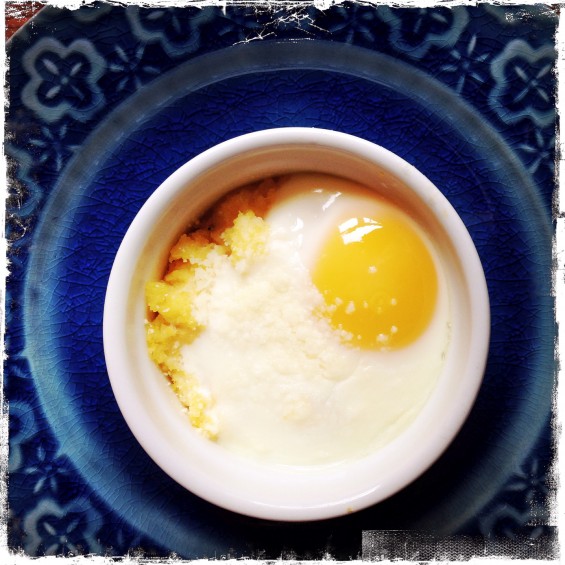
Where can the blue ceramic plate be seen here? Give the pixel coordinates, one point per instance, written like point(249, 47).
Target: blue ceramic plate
point(106, 102)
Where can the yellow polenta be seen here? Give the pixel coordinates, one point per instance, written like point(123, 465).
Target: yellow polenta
point(234, 228)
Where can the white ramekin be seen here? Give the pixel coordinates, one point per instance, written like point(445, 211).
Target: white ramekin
point(151, 409)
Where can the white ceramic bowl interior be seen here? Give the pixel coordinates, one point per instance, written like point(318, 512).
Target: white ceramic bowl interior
point(151, 409)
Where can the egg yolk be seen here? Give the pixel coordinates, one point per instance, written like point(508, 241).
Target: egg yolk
point(379, 280)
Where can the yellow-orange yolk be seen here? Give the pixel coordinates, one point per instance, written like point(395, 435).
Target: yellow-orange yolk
point(379, 279)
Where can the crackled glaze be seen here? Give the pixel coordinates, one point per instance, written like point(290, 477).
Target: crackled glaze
point(106, 101)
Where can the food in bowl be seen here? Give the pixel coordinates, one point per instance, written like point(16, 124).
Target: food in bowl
point(303, 319)
point(246, 477)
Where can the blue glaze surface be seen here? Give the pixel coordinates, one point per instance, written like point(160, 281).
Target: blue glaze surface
point(106, 102)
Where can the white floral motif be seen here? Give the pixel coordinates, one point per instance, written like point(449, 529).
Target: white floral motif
point(353, 22)
point(21, 414)
point(46, 471)
point(130, 68)
point(531, 483)
point(177, 30)
point(428, 27)
point(519, 90)
point(540, 150)
point(54, 530)
point(464, 63)
point(504, 519)
point(63, 80)
point(52, 146)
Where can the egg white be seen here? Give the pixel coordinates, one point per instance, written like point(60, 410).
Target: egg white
point(287, 389)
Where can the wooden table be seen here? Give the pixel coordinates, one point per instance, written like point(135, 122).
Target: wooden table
point(18, 13)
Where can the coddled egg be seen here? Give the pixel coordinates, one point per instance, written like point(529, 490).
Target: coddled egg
point(329, 343)
point(370, 260)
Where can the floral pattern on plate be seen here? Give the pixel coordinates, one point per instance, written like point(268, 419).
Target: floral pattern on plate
point(71, 69)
